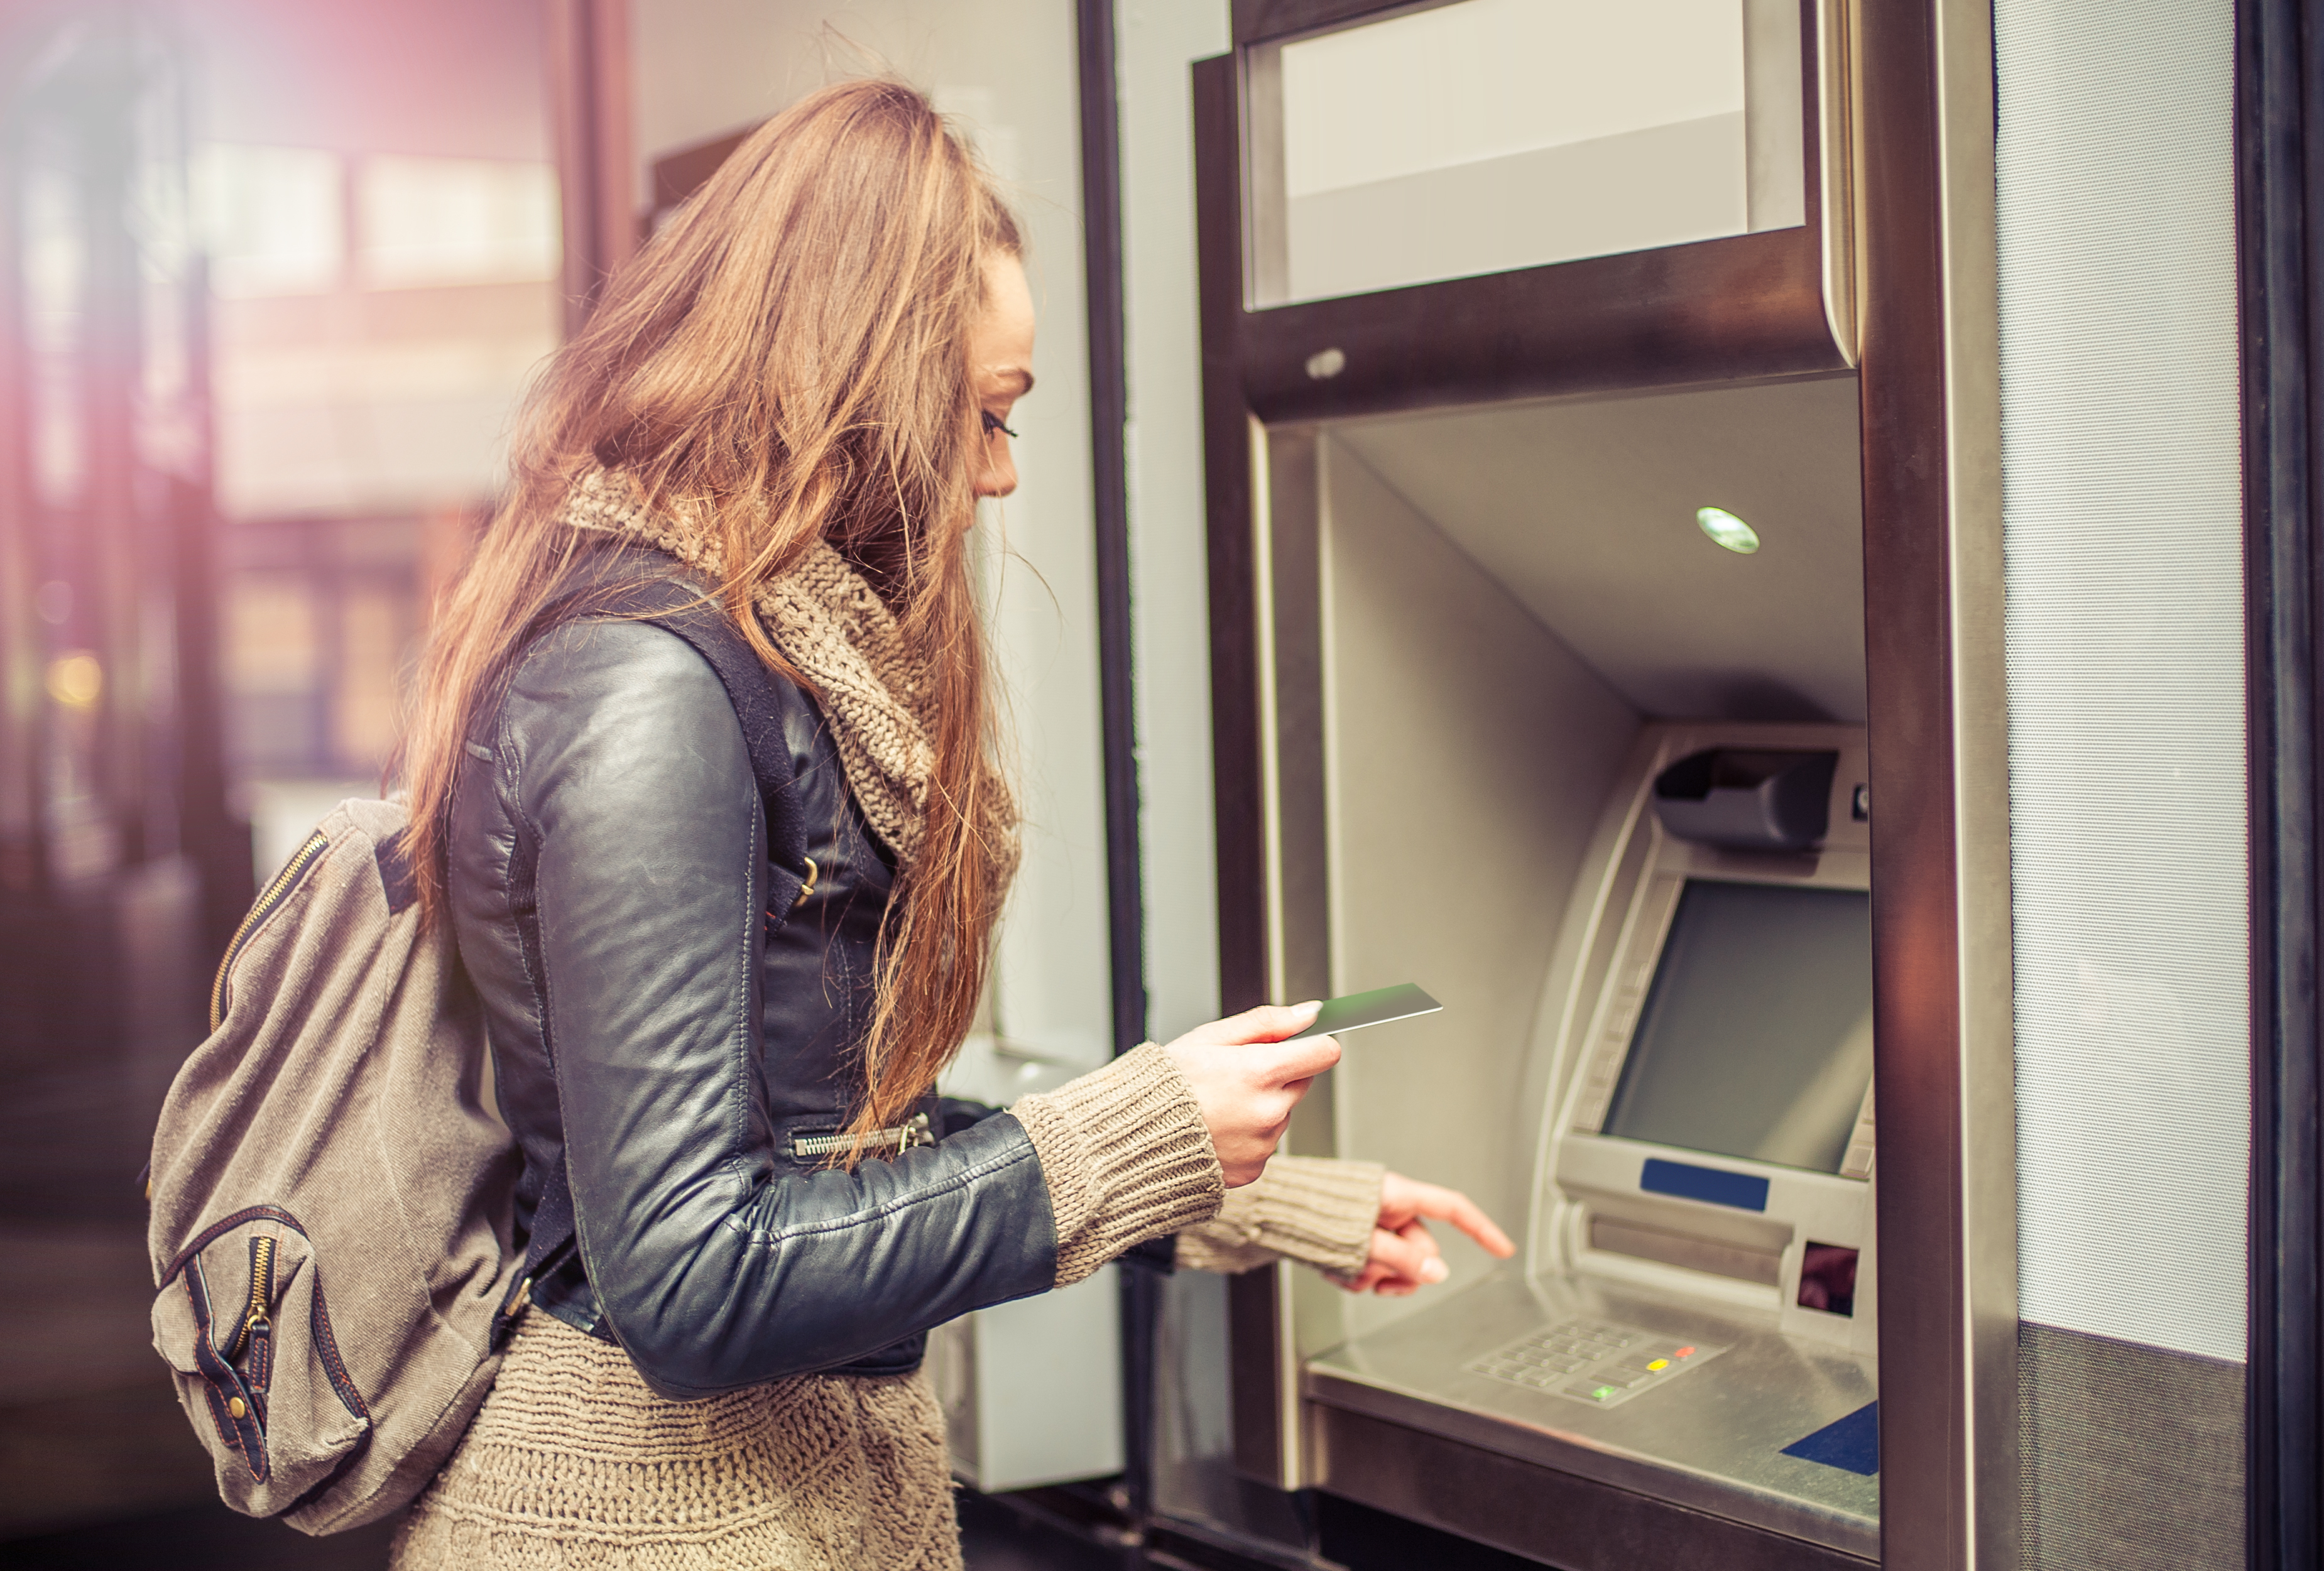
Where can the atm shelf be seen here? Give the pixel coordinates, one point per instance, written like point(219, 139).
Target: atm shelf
point(1712, 1441)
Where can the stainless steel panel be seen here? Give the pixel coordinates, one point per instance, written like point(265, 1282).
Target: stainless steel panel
point(1941, 940)
point(1556, 1516)
point(1711, 1438)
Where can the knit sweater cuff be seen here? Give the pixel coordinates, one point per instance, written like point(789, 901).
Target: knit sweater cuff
point(1126, 1155)
point(1309, 1209)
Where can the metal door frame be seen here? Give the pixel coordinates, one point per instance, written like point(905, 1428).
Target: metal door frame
point(2280, 225)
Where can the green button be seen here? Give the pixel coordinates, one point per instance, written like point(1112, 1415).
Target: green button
point(1602, 1394)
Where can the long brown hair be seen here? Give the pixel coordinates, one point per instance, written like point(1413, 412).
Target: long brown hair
point(787, 360)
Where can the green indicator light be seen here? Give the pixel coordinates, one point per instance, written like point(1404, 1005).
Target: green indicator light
point(1602, 1394)
point(1728, 530)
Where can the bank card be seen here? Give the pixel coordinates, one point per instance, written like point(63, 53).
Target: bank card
point(1354, 1011)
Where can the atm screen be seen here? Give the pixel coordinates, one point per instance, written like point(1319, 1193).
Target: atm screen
point(1755, 1041)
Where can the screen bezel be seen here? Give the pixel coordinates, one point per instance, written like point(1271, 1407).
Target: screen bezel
point(1590, 1176)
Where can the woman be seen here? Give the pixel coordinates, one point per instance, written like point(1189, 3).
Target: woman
point(796, 395)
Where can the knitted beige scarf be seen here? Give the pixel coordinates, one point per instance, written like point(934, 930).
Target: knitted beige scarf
point(875, 690)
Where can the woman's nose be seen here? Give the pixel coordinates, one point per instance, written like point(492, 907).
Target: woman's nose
point(998, 478)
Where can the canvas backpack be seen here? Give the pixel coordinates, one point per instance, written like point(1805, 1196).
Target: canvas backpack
point(332, 1184)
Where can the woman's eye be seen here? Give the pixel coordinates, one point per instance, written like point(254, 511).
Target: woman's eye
point(993, 423)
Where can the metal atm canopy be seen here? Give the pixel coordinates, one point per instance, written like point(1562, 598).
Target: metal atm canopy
point(1570, 504)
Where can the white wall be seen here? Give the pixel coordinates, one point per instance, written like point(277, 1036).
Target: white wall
point(1008, 71)
point(2124, 532)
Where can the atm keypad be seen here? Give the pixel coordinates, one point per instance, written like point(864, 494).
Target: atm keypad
point(1599, 1361)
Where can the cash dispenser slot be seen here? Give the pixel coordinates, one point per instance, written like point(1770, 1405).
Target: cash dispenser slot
point(1741, 1247)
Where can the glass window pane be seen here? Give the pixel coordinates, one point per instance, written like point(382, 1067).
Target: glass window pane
point(439, 221)
point(1495, 134)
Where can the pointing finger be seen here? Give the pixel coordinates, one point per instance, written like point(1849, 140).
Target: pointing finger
point(1453, 1207)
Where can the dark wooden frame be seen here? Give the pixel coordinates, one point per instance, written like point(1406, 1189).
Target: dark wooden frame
point(2279, 222)
point(1110, 489)
point(1109, 393)
point(1267, 21)
point(589, 99)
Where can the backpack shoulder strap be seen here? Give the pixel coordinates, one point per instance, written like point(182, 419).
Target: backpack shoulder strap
point(679, 607)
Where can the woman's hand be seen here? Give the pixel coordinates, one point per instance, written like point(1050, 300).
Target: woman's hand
point(1247, 1081)
point(1404, 1257)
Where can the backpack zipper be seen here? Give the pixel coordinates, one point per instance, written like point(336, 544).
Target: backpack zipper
point(259, 1313)
point(276, 892)
point(904, 1137)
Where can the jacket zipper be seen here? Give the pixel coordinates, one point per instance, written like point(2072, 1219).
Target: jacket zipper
point(259, 1313)
point(904, 1137)
point(284, 882)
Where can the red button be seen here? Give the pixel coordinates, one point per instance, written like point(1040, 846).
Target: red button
point(1683, 1353)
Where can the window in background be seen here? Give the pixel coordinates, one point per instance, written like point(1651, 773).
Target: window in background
point(373, 188)
point(273, 218)
point(449, 221)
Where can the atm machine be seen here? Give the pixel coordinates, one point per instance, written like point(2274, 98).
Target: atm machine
point(1538, 664)
point(1696, 1319)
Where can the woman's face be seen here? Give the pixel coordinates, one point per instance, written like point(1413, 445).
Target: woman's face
point(1000, 369)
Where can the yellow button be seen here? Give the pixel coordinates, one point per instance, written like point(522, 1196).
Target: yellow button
point(1659, 1363)
point(234, 1405)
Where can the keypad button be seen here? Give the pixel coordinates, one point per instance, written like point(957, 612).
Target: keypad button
point(1586, 1358)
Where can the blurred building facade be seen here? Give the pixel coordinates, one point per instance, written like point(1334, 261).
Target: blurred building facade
point(272, 279)
point(117, 857)
point(375, 188)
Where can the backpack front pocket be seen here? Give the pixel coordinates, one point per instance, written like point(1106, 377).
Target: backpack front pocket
point(243, 1321)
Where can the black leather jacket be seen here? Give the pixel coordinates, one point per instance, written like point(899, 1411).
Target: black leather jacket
point(607, 868)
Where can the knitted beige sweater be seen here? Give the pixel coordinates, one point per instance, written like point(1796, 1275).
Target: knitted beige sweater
point(573, 1462)
point(1128, 1158)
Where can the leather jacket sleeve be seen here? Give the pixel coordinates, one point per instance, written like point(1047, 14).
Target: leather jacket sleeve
point(608, 849)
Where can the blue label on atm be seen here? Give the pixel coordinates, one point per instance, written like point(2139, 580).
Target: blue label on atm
point(1851, 1444)
point(1690, 1182)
